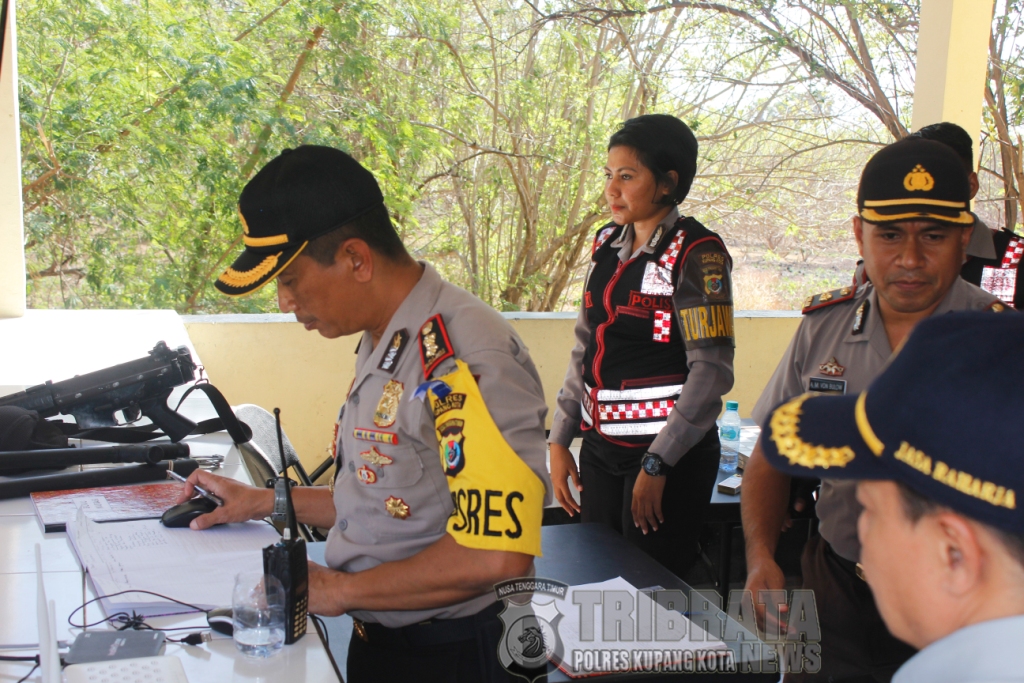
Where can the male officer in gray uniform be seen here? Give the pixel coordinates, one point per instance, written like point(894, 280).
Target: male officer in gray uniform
point(912, 227)
point(441, 477)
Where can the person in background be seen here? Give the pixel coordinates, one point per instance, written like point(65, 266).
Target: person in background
point(912, 226)
point(653, 355)
point(993, 256)
point(934, 451)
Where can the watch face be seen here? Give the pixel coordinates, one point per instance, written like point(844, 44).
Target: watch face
point(652, 465)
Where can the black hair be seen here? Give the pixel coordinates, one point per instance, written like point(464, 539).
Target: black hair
point(916, 506)
point(954, 137)
point(373, 227)
point(662, 143)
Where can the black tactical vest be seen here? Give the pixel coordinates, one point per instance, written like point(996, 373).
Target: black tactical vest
point(635, 363)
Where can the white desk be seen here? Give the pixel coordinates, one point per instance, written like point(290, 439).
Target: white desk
point(87, 341)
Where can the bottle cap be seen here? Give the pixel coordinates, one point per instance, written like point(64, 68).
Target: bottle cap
point(732, 405)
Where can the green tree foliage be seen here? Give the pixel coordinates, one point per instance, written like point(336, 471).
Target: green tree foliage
point(484, 121)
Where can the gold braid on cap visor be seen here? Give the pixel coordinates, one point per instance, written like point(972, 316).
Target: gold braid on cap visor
point(872, 216)
point(785, 424)
point(237, 279)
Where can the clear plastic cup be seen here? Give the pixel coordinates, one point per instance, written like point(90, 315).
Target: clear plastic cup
point(257, 606)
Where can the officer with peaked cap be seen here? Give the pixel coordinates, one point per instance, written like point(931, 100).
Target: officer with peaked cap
point(934, 450)
point(441, 478)
point(912, 227)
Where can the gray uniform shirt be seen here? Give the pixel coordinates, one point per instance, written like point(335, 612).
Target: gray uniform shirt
point(365, 534)
point(710, 377)
point(828, 334)
point(981, 653)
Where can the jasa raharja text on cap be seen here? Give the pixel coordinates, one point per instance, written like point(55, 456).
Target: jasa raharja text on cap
point(299, 195)
point(915, 179)
point(944, 419)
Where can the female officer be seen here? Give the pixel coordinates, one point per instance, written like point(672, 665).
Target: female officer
point(653, 356)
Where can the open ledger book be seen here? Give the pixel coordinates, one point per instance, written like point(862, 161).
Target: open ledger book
point(643, 638)
point(197, 567)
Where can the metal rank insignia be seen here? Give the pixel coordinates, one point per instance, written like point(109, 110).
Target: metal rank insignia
point(375, 457)
point(396, 507)
point(387, 407)
point(366, 475)
point(435, 347)
point(832, 368)
point(860, 317)
point(390, 359)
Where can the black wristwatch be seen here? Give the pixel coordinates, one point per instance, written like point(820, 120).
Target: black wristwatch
point(654, 465)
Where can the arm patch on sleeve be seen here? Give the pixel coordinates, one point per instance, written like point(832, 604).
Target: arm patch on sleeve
point(710, 325)
point(703, 296)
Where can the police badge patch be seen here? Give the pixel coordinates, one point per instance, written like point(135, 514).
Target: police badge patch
point(387, 407)
point(714, 283)
point(452, 441)
point(657, 280)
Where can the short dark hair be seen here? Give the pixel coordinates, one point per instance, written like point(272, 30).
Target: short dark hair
point(373, 227)
point(662, 143)
point(916, 506)
point(952, 136)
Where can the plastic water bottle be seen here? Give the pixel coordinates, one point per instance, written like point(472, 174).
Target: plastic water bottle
point(730, 437)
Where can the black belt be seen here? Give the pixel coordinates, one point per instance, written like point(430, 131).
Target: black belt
point(850, 566)
point(427, 633)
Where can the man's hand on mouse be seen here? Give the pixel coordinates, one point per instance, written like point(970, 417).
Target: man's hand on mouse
point(241, 502)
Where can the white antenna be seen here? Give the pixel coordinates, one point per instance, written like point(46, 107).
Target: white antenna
point(49, 660)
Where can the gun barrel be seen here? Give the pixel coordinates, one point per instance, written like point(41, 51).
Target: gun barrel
point(95, 396)
point(67, 457)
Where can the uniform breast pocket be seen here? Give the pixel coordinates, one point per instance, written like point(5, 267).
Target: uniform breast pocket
point(404, 470)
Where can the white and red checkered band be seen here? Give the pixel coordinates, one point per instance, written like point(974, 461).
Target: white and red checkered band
point(662, 326)
point(671, 255)
point(1014, 251)
point(634, 411)
point(602, 237)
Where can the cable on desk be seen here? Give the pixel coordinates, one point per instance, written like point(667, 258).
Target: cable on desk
point(31, 671)
point(133, 620)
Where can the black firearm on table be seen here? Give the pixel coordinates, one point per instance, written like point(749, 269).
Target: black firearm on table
point(138, 387)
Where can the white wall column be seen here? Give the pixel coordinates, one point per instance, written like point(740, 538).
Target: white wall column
point(952, 64)
point(12, 229)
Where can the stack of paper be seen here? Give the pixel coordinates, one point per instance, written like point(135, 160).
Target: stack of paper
point(197, 567)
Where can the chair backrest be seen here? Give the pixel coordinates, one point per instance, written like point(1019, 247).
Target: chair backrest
point(261, 454)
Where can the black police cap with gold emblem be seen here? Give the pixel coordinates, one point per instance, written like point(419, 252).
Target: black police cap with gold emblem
point(298, 196)
point(915, 179)
point(944, 419)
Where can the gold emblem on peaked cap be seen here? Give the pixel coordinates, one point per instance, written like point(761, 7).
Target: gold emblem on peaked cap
point(919, 180)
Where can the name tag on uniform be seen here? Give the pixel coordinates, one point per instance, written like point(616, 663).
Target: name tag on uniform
point(823, 385)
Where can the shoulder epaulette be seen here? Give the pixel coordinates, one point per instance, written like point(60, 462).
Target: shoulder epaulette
point(830, 298)
point(435, 346)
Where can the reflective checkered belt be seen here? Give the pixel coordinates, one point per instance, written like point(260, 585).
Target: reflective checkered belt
point(641, 411)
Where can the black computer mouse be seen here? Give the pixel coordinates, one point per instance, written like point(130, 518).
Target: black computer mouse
point(221, 621)
point(181, 515)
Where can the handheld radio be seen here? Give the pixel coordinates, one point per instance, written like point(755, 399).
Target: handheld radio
point(286, 559)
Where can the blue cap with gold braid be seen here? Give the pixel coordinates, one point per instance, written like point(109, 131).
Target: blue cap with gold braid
point(945, 418)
